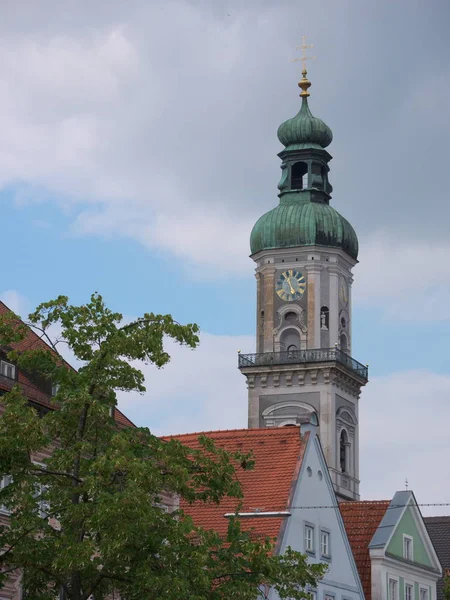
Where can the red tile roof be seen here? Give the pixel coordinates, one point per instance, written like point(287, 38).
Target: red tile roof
point(361, 520)
point(31, 390)
point(278, 455)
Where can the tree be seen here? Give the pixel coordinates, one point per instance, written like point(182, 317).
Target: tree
point(446, 586)
point(89, 521)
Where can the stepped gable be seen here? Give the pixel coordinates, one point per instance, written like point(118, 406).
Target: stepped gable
point(33, 391)
point(361, 520)
point(278, 455)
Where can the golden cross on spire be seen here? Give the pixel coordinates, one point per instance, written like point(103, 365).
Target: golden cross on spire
point(303, 58)
point(304, 84)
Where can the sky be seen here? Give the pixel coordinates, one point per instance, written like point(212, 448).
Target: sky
point(138, 147)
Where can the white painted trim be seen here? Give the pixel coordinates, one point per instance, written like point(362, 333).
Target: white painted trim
point(258, 514)
point(409, 538)
point(390, 578)
point(409, 582)
point(418, 519)
point(288, 404)
point(424, 588)
point(342, 412)
point(404, 568)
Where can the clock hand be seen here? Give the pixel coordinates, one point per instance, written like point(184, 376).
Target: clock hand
point(290, 285)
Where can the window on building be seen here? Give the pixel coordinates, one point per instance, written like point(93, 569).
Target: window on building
point(4, 482)
point(55, 389)
point(343, 451)
point(325, 544)
point(40, 491)
point(7, 369)
point(393, 589)
point(343, 342)
point(409, 591)
point(423, 595)
point(407, 547)
point(328, 596)
point(309, 538)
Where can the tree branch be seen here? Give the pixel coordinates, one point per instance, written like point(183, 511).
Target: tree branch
point(44, 334)
point(38, 472)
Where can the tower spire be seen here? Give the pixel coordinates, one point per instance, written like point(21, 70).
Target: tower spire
point(304, 252)
point(304, 83)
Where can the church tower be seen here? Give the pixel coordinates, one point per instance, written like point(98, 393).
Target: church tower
point(304, 252)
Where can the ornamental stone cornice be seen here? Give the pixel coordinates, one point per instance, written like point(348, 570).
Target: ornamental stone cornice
point(300, 375)
point(314, 267)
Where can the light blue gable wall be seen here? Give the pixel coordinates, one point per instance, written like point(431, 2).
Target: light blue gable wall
point(342, 578)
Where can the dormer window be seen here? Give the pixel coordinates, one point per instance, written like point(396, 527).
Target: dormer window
point(7, 369)
point(407, 547)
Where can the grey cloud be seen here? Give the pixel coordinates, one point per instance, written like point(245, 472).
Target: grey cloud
point(190, 123)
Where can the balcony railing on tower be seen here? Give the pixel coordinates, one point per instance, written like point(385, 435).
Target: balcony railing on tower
point(319, 355)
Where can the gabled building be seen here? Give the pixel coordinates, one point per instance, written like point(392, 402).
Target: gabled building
point(439, 531)
point(38, 391)
point(289, 497)
point(392, 548)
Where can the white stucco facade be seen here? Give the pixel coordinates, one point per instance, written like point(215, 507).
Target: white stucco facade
point(315, 506)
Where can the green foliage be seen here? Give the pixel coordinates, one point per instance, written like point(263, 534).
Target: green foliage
point(446, 588)
point(87, 517)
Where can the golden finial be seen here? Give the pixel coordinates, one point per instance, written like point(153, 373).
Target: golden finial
point(304, 83)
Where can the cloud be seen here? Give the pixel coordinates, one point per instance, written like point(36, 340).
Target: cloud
point(16, 302)
point(198, 390)
point(159, 124)
point(404, 435)
point(205, 238)
point(408, 279)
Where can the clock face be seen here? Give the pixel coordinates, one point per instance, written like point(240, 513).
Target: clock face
point(291, 285)
point(343, 291)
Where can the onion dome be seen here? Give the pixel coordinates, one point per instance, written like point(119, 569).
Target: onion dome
point(292, 224)
point(304, 130)
point(304, 216)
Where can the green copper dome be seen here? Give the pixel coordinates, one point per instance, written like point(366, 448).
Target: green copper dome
point(304, 131)
point(294, 223)
point(304, 216)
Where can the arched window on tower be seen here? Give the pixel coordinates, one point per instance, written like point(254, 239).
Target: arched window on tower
point(299, 176)
point(323, 172)
point(290, 341)
point(344, 342)
point(292, 351)
point(344, 451)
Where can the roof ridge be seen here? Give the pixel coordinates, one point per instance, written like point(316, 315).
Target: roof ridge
point(276, 431)
point(364, 503)
point(37, 337)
